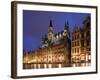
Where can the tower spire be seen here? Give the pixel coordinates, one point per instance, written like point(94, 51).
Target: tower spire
point(50, 25)
point(66, 29)
point(50, 31)
point(67, 25)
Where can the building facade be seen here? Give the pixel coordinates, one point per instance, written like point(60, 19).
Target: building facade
point(81, 44)
point(55, 50)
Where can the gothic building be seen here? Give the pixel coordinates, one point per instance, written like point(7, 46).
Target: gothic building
point(81, 44)
point(55, 50)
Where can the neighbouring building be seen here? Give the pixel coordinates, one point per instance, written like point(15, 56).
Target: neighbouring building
point(81, 44)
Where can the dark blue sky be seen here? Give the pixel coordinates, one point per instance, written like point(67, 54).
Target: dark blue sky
point(35, 24)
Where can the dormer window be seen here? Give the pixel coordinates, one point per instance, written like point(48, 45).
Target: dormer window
point(60, 35)
point(57, 36)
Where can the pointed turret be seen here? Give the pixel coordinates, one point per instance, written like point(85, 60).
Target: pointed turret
point(66, 25)
point(75, 28)
point(50, 25)
point(50, 32)
point(66, 29)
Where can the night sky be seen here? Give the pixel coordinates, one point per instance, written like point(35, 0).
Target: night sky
point(35, 25)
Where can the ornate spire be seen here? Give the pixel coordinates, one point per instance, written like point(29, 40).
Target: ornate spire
point(50, 25)
point(42, 37)
point(66, 29)
point(75, 28)
point(67, 25)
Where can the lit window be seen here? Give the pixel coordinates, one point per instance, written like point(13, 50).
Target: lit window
point(86, 57)
point(59, 65)
point(57, 37)
point(60, 35)
point(83, 64)
point(82, 57)
point(89, 57)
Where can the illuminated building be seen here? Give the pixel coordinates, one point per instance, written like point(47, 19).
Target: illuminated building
point(55, 50)
point(81, 44)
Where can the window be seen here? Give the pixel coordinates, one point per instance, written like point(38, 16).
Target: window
point(73, 50)
point(88, 42)
point(82, 57)
point(72, 38)
point(89, 57)
point(87, 33)
point(77, 36)
point(89, 49)
point(88, 25)
point(72, 44)
point(77, 43)
point(82, 43)
point(82, 49)
point(82, 35)
point(77, 50)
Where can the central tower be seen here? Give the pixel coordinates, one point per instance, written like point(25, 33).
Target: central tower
point(66, 30)
point(50, 32)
